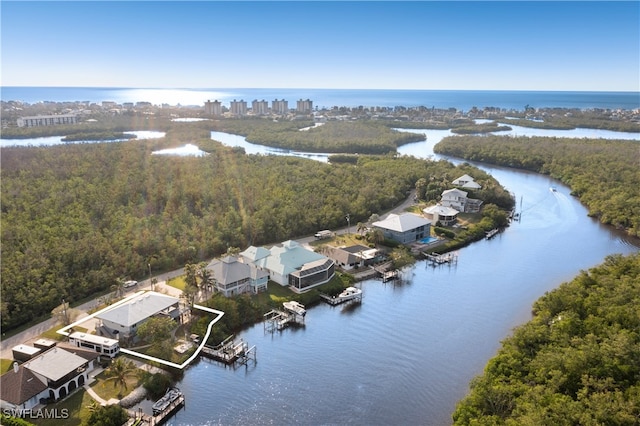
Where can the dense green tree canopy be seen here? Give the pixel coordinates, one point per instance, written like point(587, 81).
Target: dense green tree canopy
point(363, 137)
point(577, 362)
point(602, 173)
point(76, 218)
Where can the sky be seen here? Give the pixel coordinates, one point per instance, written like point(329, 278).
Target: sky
point(431, 45)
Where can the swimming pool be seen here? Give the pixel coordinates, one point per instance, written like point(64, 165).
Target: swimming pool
point(428, 240)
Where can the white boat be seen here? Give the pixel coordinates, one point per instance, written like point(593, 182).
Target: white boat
point(552, 189)
point(295, 307)
point(349, 293)
point(492, 233)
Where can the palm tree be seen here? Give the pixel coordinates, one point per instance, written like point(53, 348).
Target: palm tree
point(376, 236)
point(206, 280)
point(118, 288)
point(120, 370)
point(361, 227)
point(93, 406)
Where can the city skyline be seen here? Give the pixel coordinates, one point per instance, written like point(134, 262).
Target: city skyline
point(564, 46)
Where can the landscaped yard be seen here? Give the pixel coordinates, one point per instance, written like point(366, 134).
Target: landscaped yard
point(178, 282)
point(108, 389)
point(76, 407)
point(52, 335)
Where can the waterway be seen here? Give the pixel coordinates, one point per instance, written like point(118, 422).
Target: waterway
point(407, 353)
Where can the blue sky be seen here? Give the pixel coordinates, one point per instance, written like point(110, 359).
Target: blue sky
point(500, 45)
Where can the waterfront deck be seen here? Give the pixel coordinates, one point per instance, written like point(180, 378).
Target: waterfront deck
point(492, 233)
point(335, 300)
point(231, 352)
point(278, 320)
point(436, 259)
point(160, 418)
point(389, 276)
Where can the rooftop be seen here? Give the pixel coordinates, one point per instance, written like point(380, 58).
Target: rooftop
point(138, 308)
point(402, 223)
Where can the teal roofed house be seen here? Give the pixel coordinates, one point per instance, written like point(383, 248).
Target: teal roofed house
point(290, 264)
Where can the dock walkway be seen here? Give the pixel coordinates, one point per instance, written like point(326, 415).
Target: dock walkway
point(436, 259)
point(339, 300)
point(230, 351)
point(278, 320)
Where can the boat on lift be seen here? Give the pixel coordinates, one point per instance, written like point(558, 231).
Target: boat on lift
point(295, 307)
point(349, 293)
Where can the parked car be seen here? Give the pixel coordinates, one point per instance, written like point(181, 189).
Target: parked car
point(130, 283)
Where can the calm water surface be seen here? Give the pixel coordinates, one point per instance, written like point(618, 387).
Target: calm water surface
point(407, 353)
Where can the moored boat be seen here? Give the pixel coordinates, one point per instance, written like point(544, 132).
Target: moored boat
point(349, 293)
point(295, 307)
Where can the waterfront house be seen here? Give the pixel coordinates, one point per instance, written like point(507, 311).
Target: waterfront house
point(454, 198)
point(457, 199)
point(466, 181)
point(404, 228)
point(125, 318)
point(52, 375)
point(352, 257)
point(235, 277)
point(447, 216)
point(290, 264)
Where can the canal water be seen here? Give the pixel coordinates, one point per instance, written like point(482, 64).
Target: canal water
point(407, 353)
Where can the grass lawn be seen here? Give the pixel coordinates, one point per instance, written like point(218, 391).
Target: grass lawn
point(178, 282)
point(5, 365)
point(341, 240)
point(76, 406)
point(52, 335)
point(107, 389)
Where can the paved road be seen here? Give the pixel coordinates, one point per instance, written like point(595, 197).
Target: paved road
point(32, 333)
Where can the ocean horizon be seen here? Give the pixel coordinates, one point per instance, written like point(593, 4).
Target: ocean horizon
point(328, 98)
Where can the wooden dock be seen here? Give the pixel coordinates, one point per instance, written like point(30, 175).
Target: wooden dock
point(436, 259)
point(492, 233)
point(333, 301)
point(389, 275)
point(278, 320)
point(231, 351)
point(160, 418)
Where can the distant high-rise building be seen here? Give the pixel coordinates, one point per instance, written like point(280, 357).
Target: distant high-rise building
point(304, 107)
point(260, 107)
point(47, 120)
point(213, 108)
point(279, 107)
point(238, 107)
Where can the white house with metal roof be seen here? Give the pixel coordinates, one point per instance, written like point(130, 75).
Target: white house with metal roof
point(447, 216)
point(125, 318)
point(404, 228)
point(467, 181)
